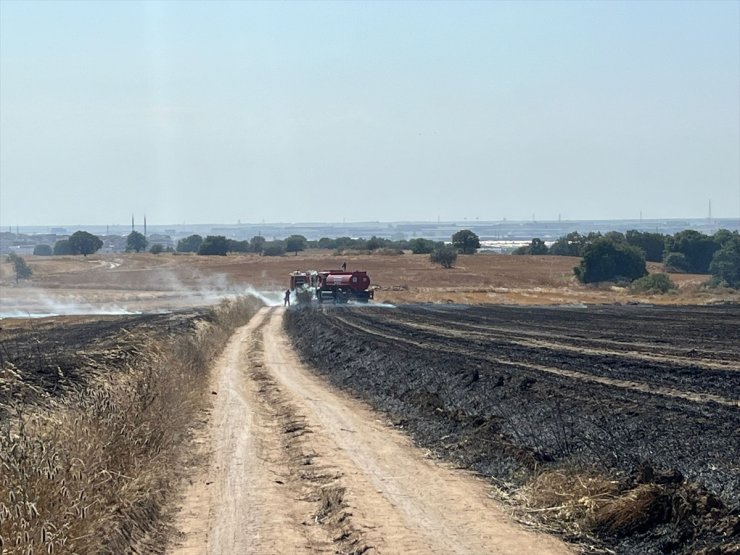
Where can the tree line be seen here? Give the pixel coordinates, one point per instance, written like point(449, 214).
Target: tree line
point(464, 241)
point(615, 255)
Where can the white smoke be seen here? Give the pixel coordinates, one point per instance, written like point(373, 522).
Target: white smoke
point(157, 291)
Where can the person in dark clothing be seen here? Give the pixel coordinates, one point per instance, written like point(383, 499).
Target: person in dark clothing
point(344, 266)
point(286, 300)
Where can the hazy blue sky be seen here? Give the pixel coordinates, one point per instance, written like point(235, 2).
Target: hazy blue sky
point(298, 111)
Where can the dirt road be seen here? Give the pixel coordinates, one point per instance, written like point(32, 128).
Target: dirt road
point(298, 467)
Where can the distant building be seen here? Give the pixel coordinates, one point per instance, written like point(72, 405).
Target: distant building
point(158, 239)
point(21, 249)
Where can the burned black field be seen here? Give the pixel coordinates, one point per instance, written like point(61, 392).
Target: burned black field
point(52, 356)
point(647, 396)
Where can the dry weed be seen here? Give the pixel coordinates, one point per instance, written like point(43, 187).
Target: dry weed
point(91, 471)
point(637, 509)
point(569, 498)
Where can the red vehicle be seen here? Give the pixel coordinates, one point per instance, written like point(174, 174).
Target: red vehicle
point(341, 286)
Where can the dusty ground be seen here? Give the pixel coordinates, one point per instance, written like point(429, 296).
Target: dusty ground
point(135, 283)
point(300, 468)
point(516, 391)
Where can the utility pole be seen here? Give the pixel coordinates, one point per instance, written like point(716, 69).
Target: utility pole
point(132, 223)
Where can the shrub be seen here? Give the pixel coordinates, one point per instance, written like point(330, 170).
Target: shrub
point(676, 262)
point(214, 245)
point(656, 284)
point(62, 247)
point(156, 249)
point(191, 243)
point(42, 250)
point(536, 246)
point(607, 260)
point(725, 266)
point(388, 251)
point(273, 248)
point(568, 245)
point(446, 256)
point(422, 246)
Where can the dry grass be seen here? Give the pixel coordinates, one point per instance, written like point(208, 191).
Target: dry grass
point(633, 510)
point(567, 499)
point(582, 503)
point(407, 278)
point(90, 472)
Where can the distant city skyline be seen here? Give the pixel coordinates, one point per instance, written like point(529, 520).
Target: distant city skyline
point(223, 112)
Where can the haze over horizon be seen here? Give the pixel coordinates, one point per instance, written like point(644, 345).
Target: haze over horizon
point(222, 112)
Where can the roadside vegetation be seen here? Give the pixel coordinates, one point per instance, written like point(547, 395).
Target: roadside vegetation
point(91, 443)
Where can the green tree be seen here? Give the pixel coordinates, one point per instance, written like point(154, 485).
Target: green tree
point(652, 244)
point(214, 245)
point(295, 243)
point(445, 255)
point(191, 243)
point(723, 236)
point(616, 236)
point(466, 242)
point(696, 247)
point(273, 248)
point(725, 265)
point(238, 246)
point(136, 242)
point(375, 243)
point(422, 246)
point(42, 250)
point(536, 246)
point(607, 260)
point(345, 243)
point(22, 271)
point(257, 243)
point(62, 247)
point(84, 243)
point(676, 262)
point(327, 243)
point(156, 249)
point(569, 245)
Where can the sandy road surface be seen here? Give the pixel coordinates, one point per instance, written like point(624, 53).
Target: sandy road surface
point(298, 467)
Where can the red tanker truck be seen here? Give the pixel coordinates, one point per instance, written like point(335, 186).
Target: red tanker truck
point(341, 286)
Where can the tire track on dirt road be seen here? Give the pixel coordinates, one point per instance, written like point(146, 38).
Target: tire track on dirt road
point(402, 501)
point(234, 504)
point(298, 467)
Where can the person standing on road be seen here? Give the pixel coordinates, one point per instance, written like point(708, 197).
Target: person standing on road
point(286, 300)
